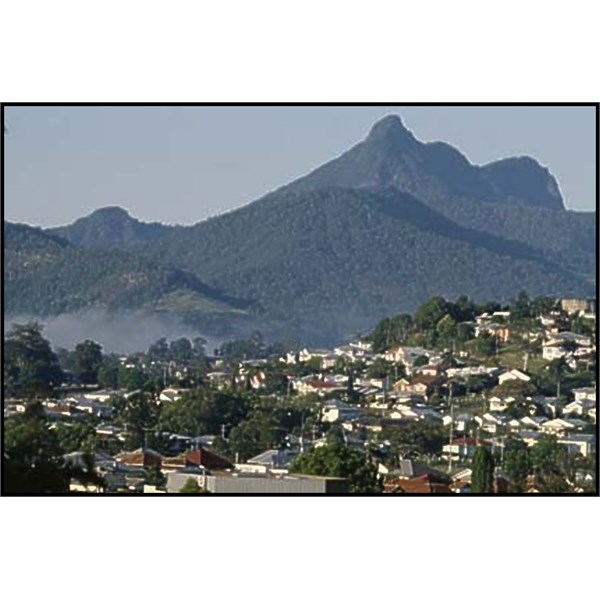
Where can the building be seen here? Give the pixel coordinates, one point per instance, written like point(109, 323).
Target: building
point(258, 483)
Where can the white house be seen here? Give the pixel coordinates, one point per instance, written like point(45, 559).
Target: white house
point(580, 444)
point(499, 404)
point(579, 407)
point(513, 375)
point(561, 426)
point(336, 410)
point(585, 393)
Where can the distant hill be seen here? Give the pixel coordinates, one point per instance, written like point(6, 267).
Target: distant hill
point(46, 275)
point(337, 259)
point(109, 227)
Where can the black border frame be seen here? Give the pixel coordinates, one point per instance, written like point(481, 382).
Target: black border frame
point(596, 105)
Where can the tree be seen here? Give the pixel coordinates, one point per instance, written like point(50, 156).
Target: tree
point(485, 344)
point(447, 328)
point(482, 478)
point(32, 462)
point(190, 487)
point(336, 460)
point(551, 465)
point(521, 307)
point(517, 465)
point(88, 359)
point(31, 368)
point(430, 313)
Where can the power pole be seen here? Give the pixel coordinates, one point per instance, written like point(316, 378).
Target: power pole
point(451, 433)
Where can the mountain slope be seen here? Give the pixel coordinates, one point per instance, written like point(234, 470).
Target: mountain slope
point(46, 275)
point(514, 198)
point(338, 259)
point(110, 227)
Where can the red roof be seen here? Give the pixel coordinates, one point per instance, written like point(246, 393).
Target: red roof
point(424, 484)
point(205, 458)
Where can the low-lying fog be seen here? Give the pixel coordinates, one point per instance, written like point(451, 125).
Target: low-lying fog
point(122, 332)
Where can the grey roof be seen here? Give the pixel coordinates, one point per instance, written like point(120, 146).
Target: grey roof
point(272, 458)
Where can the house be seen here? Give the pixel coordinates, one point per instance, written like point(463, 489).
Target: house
point(143, 458)
point(513, 375)
point(561, 426)
point(533, 422)
point(198, 458)
point(491, 423)
point(531, 438)
point(579, 407)
point(171, 394)
point(405, 355)
point(585, 393)
point(460, 421)
point(578, 305)
point(462, 448)
point(336, 410)
point(500, 404)
point(272, 459)
point(427, 483)
point(579, 443)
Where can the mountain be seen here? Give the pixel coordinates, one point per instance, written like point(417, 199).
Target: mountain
point(46, 275)
point(435, 172)
point(332, 261)
point(514, 198)
point(374, 232)
point(109, 227)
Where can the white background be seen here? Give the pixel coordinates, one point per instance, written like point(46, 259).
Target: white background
point(374, 51)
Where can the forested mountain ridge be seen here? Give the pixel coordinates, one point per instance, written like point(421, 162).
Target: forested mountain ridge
point(514, 198)
point(111, 226)
point(337, 258)
point(46, 275)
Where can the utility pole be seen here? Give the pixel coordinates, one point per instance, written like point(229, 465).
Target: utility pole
point(451, 433)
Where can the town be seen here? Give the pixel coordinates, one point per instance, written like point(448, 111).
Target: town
point(458, 398)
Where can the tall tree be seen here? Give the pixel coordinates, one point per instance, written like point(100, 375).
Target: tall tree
point(482, 478)
point(336, 460)
point(32, 461)
point(517, 465)
point(88, 359)
point(31, 368)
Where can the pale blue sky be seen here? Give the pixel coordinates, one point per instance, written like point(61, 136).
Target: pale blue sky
point(184, 164)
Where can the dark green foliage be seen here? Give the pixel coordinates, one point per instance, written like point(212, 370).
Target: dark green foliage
point(517, 465)
point(482, 478)
point(202, 412)
point(551, 465)
point(32, 461)
point(110, 227)
point(390, 332)
point(30, 367)
point(338, 259)
point(190, 487)
point(88, 359)
point(416, 439)
point(336, 460)
point(46, 276)
point(75, 437)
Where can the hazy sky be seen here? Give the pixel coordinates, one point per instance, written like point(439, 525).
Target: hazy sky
point(183, 164)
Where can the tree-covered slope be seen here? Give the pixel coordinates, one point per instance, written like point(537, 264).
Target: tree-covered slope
point(514, 198)
point(46, 275)
point(341, 258)
point(110, 227)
